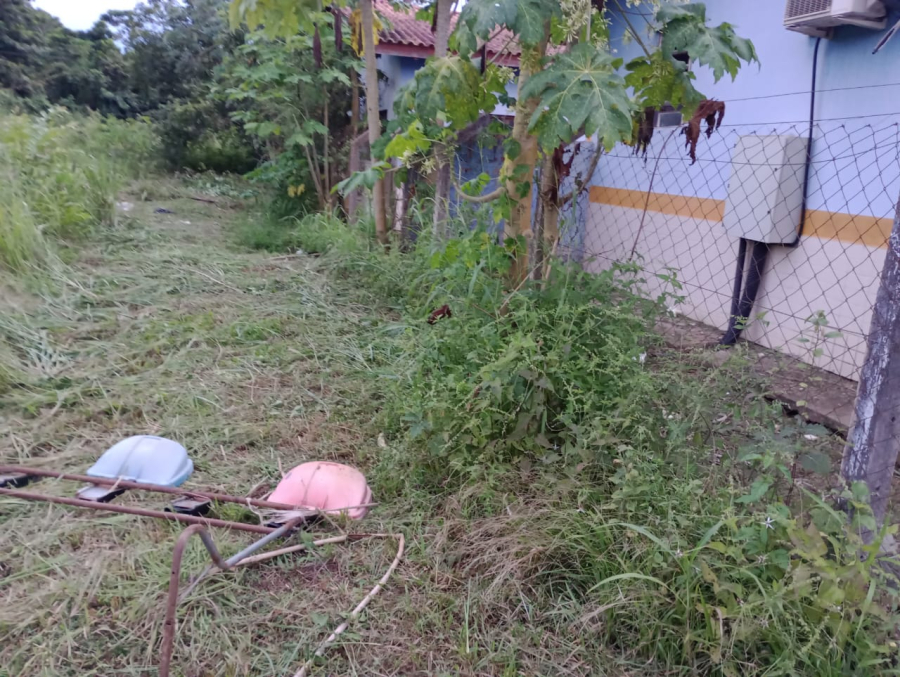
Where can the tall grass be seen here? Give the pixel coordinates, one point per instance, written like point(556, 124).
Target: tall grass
point(59, 176)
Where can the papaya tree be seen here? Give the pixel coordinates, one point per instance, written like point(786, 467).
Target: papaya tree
point(569, 84)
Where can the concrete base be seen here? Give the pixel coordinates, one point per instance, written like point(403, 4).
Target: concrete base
point(817, 395)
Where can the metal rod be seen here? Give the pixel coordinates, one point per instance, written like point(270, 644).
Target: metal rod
point(256, 559)
point(165, 657)
point(141, 512)
point(265, 540)
point(128, 484)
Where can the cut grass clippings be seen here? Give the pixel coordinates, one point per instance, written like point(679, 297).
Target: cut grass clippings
point(168, 330)
point(256, 364)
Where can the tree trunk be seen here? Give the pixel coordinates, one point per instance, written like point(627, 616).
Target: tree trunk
point(549, 226)
point(351, 200)
point(372, 108)
point(536, 255)
point(441, 193)
point(354, 103)
point(871, 452)
point(442, 154)
point(520, 170)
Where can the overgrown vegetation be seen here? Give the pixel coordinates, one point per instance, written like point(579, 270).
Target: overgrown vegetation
point(692, 517)
point(559, 472)
point(59, 177)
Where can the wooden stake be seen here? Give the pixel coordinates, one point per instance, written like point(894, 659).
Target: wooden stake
point(874, 441)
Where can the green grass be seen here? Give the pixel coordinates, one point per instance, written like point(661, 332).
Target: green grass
point(311, 234)
point(167, 324)
point(59, 176)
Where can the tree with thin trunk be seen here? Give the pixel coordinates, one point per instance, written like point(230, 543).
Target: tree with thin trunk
point(285, 18)
point(372, 114)
point(442, 153)
point(286, 93)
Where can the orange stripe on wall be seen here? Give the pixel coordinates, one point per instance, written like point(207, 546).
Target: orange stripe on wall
point(866, 230)
point(662, 203)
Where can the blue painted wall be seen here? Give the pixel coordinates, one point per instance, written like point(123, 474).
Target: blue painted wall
point(472, 159)
point(399, 70)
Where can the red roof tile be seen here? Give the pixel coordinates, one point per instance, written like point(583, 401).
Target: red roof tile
point(404, 30)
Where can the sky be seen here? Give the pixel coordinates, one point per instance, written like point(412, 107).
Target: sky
point(81, 14)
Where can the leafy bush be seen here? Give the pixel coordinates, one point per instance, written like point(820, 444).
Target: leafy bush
point(198, 136)
point(523, 377)
point(290, 182)
point(12, 104)
point(696, 561)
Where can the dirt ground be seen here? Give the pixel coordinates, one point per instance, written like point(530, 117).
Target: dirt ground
point(817, 395)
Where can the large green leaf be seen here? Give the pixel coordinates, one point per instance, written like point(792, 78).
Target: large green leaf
point(329, 75)
point(283, 18)
point(479, 19)
point(448, 89)
point(580, 92)
point(411, 140)
point(684, 29)
point(673, 12)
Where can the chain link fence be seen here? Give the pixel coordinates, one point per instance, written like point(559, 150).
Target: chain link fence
point(667, 213)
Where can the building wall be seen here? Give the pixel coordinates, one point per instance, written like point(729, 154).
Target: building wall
point(399, 70)
point(666, 213)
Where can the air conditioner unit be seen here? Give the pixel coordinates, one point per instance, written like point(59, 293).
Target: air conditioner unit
point(818, 17)
point(668, 118)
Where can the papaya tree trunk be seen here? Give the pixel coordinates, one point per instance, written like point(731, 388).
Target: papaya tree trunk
point(545, 247)
point(442, 153)
point(519, 164)
point(372, 113)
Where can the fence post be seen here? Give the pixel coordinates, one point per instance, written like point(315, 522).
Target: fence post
point(874, 441)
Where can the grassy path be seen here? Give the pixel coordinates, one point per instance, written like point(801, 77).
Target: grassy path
point(255, 363)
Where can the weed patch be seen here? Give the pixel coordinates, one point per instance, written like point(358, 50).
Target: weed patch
point(60, 175)
point(676, 503)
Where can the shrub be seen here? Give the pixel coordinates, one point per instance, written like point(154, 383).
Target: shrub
point(198, 136)
point(692, 562)
point(290, 182)
point(523, 377)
